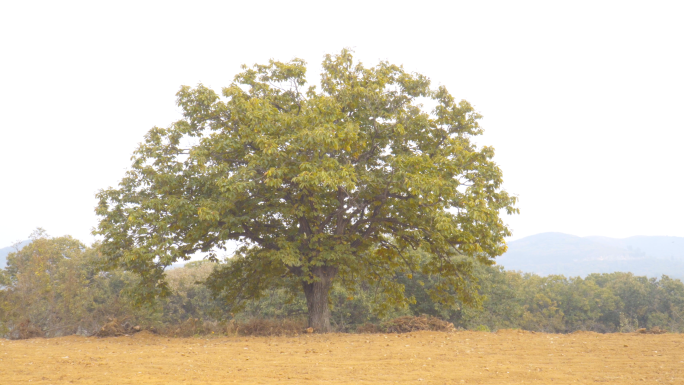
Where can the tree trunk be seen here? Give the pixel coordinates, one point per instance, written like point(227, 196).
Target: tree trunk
point(317, 294)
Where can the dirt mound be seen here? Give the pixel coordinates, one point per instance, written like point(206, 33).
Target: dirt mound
point(115, 328)
point(146, 334)
point(412, 324)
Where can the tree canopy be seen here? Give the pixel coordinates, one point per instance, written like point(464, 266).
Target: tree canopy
point(316, 184)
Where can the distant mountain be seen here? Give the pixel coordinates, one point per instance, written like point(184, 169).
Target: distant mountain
point(656, 247)
point(4, 252)
point(569, 255)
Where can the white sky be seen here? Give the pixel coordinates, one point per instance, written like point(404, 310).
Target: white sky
point(583, 101)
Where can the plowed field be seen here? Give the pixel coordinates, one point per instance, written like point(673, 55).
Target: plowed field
point(505, 357)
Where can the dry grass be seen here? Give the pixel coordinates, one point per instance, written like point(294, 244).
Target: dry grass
point(265, 327)
point(414, 324)
point(194, 327)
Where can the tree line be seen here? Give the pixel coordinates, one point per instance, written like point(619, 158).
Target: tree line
point(57, 286)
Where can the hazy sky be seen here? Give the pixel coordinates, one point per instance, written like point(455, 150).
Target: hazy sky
point(582, 101)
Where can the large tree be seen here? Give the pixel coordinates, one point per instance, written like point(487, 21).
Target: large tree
point(315, 184)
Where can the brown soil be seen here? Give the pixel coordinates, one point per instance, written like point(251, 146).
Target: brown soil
point(505, 357)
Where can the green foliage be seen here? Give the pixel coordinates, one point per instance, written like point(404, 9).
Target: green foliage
point(189, 298)
point(58, 285)
point(599, 302)
point(54, 286)
point(317, 184)
point(617, 302)
point(482, 328)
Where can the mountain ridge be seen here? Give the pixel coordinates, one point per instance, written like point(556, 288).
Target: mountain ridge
point(570, 255)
